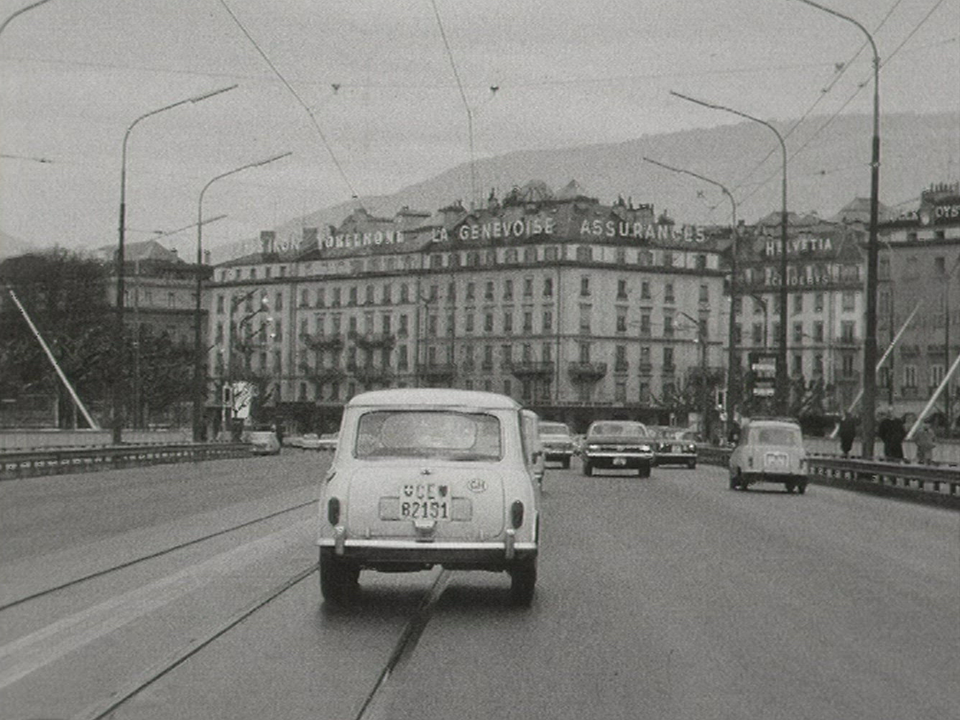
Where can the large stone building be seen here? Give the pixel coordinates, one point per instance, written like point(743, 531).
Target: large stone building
point(919, 294)
point(825, 306)
point(576, 308)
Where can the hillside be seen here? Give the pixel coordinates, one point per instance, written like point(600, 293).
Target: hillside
point(825, 171)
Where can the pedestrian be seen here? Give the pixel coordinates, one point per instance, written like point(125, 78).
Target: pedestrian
point(926, 441)
point(896, 435)
point(847, 432)
point(885, 430)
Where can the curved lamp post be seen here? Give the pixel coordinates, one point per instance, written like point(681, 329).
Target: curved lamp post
point(782, 389)
point(118, 390)
point(869, 406)
point(199, 383)
point(731, 340)
point(21, 11)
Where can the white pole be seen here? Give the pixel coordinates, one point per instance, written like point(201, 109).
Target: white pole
point(933, 398)
point(90, 421)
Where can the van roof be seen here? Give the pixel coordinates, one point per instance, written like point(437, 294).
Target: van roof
point(434, 397)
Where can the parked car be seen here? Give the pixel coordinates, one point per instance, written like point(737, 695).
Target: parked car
point(557, 443)
point(617, 445)
point(293, 441)
point(426, 477)
point(263, 440)
point(328, 441)
point(673, 449)
point(533, 448)
point(310, 441)
point(769, 450)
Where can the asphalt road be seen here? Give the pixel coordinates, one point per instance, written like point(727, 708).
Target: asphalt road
point(667, 597)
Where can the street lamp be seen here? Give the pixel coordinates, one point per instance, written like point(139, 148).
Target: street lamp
point(734, 249)
point(869, 407)
point(782, 390)
point(199, 383)
point(704, 394)
point(21, 11)
point(118, 394)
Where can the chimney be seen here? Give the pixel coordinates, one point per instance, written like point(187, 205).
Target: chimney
point(268, 239)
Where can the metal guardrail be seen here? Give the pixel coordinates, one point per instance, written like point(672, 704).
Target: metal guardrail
point(934, 484)
point(35, 463)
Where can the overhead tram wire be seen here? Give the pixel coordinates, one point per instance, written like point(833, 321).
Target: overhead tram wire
point(463, 97)
point(823, 93)
point(836, 113)
point(323, 138)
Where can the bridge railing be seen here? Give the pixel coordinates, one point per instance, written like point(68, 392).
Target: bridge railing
point(938, 484)
point(59, 461)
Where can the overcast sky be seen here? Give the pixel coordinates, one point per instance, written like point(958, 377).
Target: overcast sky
point(385, 105)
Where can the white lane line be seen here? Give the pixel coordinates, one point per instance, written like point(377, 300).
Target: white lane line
point(28, 654)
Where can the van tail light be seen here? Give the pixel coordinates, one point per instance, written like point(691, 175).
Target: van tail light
point(516, 514)
point(333, 511)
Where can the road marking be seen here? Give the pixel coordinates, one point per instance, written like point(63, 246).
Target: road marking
point(32, 652)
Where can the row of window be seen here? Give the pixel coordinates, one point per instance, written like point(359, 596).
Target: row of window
point(490, 257)
point(509, 291)
point(848, 303)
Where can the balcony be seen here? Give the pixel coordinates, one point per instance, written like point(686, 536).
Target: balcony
point(645, 368)
point(320, 376)
point(849, 378)
point(373, 374)
point(530, 369)
point(374, 340)
point(330, 343)
point(621, 366)
point(586, 371)
point(438, 372)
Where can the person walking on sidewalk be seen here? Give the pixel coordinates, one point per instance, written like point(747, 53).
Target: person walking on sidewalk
point(847, 432)
point(926, 441)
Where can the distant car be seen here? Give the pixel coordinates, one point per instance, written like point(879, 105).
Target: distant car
point(617, 445)
point(263, 440)
point(328, 441)
point(310, 441)
point(769, 451)
point(293, 441)
point(425, 477)
point(673, 450)
point(558, 445)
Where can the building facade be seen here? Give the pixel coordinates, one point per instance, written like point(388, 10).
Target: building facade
point(919, 301)
point(825, 307)
point(576, 308)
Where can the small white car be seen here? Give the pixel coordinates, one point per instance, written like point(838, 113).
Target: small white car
point(769, 450)
point(310, 441)
point(328, 441)
point(427, 477)
point(263, 440)
point(558, 445)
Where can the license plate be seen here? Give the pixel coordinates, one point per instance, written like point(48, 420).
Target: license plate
point(619, 461)
point(776, 460)
point(425, 509)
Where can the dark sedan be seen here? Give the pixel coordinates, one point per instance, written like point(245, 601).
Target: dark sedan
point(617, 445)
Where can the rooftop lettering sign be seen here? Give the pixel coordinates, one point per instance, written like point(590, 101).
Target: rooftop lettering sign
point(797, 246)
point(502, 228)
point(362, 239)
point(642, 231)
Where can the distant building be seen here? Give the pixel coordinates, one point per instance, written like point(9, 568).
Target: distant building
point(919, 278)
point(576, 308)
point(160, 291)
point(825, 274)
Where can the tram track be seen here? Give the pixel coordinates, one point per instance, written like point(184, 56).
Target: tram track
point(372, 706)
point(151, 556)
point(122, 695)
